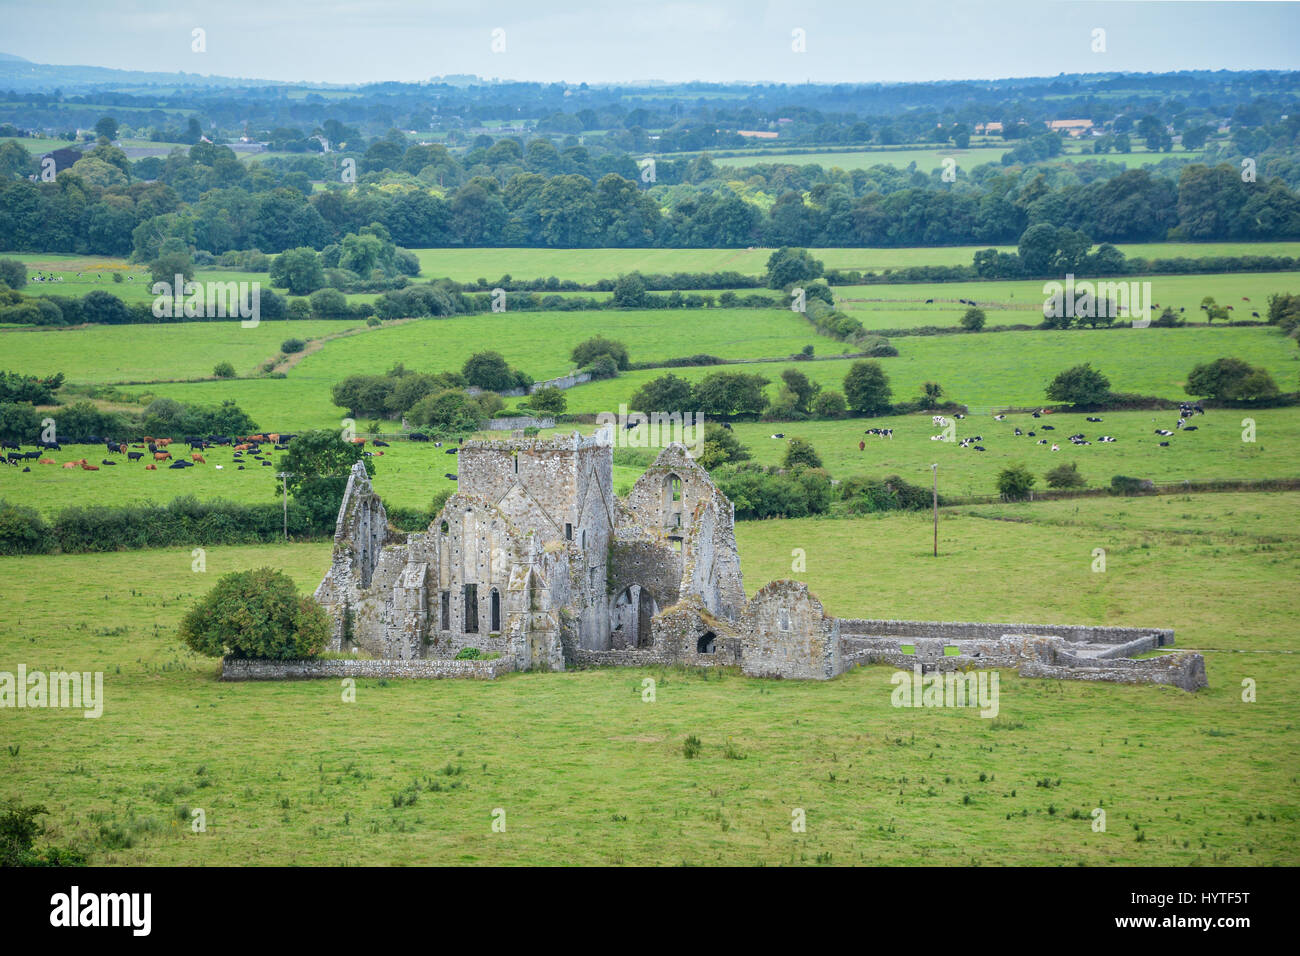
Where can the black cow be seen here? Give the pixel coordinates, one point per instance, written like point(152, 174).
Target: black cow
point(134, 455)
point(449, 476)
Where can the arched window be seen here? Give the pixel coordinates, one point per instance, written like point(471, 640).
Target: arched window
point(707, 644)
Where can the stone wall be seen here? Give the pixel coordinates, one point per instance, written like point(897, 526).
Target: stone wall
point(952, 631)
point(238, 669)
point(787, 633)
point(519, 421)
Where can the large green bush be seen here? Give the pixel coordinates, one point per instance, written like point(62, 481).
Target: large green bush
point(256, 614)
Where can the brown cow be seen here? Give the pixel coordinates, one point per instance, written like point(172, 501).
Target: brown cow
point(46, 461)
point(164, 442)
point(150, 467)
point(161, 455)
point(85, 467)
point(72, 464)
point(199, 458)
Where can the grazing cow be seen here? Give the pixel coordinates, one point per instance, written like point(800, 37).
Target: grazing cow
point(161, 455)
point(1255, 315)
point(420, 436)
point(1049, 428)
point(929, 301)
point(727, 426)
point(199, 458)
point(999, 418)
point(1018, 431)
point(9, 444)
point(134, 455)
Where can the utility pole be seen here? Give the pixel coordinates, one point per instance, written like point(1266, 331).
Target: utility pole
point(935, 492)
point(284, 477)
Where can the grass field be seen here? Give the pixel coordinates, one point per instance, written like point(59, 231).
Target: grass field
point(145, 353)
point(1021, 302)
point(1014, 368)
point(932, 158)
point(587, 773)
point(590, 265)
point(408, 474)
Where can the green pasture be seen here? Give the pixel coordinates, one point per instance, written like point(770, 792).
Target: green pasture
point(1215, 451)
point(1014, 368)
point(588, 773)
point(908, 305)
point(157, 352)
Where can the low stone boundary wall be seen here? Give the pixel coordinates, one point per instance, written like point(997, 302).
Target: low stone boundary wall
point(954, 631)
point(238, 669)
point(627, 657)
point(518, 421)
point(1185, 670)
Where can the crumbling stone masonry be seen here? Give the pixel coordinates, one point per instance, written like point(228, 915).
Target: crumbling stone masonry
point(537, 561)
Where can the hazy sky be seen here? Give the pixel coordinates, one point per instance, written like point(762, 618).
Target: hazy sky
point(349, 41)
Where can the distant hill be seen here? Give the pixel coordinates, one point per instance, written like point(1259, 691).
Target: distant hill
point(17, 73)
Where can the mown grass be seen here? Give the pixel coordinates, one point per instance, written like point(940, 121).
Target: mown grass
point(587, 773)
point(105, 354)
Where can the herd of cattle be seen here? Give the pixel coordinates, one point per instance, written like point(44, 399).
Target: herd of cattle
point(153, 451)
point(1186, 410)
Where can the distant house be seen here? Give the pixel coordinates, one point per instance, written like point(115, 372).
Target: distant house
point(757, 133)
point(993, 127)
point(1074, 127)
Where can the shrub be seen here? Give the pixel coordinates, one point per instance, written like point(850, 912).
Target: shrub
point(1124, 485)
point(1065, 476)
point(1015, 482)
point(23, 530)
point(1080, 385)
point(1231, 379)
point(829, 404)
point(290, 346)
point(866, 387)
point(799, 451)
point(223, 370)
point(691, 747)
point(256, 614)
point(584, 353)
point(468, 654)
point(973, 320)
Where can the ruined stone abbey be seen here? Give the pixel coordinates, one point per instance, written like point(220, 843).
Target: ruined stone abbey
point(537, 564)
